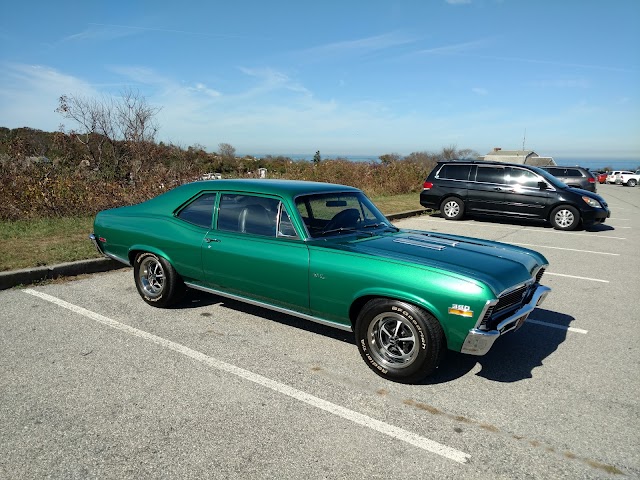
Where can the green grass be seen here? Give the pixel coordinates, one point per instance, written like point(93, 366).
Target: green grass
point(48, 241)
point(398, 203)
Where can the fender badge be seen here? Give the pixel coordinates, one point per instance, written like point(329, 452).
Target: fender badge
point(462, 310)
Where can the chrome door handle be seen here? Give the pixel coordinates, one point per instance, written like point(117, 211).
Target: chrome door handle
point(209, 240)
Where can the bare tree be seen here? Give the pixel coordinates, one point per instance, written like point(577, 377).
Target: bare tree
point(226, 151)
point(101, 124)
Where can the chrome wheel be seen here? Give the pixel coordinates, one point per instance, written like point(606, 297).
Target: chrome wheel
point(564, 218)
point(151, 277)
point(392, 340)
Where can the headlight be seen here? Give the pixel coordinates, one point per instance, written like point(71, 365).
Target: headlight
point(592, 202)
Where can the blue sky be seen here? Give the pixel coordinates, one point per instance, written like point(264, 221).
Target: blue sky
point(344, 77)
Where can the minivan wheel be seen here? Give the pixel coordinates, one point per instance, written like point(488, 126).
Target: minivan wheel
point(452, 208)
point(565, 217)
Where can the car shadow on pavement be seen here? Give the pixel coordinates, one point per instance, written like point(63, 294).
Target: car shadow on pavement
point(198, 299)
point(523, 222)
point(514, 356)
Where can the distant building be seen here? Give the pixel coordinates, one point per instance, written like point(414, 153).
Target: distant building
point(524, 157)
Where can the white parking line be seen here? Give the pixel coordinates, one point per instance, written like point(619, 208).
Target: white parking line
point(560, 248)
point(355, 417)
point(526, 229)
point(575, 276)
point(561, 327)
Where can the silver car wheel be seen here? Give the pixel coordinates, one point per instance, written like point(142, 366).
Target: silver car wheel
point(151, 277)
point(451, 209)
point(564, 218)
point(392, 340)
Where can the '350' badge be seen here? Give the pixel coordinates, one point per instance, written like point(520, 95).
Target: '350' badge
point(462, 310)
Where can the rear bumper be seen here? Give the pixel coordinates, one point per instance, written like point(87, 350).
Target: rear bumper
point(96, 244)
point(479, 342)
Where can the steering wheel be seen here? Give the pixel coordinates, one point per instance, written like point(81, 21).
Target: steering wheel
point(345, 219)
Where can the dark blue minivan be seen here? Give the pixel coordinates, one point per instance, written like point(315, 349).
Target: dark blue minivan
point(510, 190)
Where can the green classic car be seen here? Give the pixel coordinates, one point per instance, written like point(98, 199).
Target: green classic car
point(325, 253)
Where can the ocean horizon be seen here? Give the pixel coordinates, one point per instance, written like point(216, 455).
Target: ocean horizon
point(589, 163)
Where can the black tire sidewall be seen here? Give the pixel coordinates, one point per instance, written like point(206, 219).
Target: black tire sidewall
point(430, 339)
point(169, 292)
point(573, 210)
point(460, 205)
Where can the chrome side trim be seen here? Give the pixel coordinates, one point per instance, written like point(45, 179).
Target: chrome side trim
point(118, 259)
point(257, 303)
point(479, 342)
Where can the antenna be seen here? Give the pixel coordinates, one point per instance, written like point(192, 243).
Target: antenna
point(524, 137)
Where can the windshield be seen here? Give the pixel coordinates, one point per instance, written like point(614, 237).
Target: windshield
point(336, 213)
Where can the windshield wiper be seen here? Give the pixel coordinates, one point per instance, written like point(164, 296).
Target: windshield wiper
point(336, 230)
point(381, 224)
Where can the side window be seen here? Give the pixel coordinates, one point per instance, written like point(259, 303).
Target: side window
point(248, 214)
point(573, 172)
point(523, 178)
point(200, 211)
point(454, 171)
point(490, 174)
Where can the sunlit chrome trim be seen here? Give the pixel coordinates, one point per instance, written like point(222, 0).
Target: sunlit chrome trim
point(94, 240)
point(286, 311)
point(479, 342)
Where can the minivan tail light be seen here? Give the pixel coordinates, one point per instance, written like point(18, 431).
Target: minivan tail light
point(427, 185)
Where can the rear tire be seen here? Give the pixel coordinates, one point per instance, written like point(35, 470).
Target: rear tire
point(156, 280)
point(452, 208)
point(399, 341)
point(565, 217)
point(632, 182)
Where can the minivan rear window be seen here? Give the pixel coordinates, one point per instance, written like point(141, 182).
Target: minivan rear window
point(454, 171)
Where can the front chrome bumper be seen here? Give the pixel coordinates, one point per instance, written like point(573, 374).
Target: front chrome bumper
point(479, 342)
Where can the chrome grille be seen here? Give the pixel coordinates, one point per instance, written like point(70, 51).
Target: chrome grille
point(539, 275)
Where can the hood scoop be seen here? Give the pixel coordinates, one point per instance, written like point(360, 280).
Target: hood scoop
point(428, 241)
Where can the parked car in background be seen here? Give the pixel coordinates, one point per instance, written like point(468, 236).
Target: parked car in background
point(577, 177)
point(325, 253)
point(628, 179)
point(511, 191)
point(611, 178)
point(602, 177)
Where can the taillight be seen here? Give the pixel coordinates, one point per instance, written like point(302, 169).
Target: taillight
point(427, 186)
point(592, 180)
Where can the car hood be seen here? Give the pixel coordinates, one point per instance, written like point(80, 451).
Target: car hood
point(498, 265)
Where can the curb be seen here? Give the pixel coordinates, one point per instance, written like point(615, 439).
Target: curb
point(36, 274)
point(26, 276)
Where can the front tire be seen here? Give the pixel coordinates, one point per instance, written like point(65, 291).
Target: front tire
point(156, 280)
point(632, 182)
point(399, 341)
point(452, 208)
point(565, 217)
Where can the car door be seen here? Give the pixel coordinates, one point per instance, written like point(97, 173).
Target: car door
point(254, 251)
point(486, 193)
point(524, 197)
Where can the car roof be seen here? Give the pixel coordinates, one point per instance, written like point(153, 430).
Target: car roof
point(286, 188)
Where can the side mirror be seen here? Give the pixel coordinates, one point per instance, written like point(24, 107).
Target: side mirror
point(543, 185)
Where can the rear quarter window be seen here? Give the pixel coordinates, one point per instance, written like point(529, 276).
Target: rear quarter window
point(200, 211)
point(454, 172)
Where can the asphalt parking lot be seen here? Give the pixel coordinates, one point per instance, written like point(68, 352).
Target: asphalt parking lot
point(94, 383)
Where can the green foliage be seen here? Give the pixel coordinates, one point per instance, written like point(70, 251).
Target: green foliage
point(44, 175)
